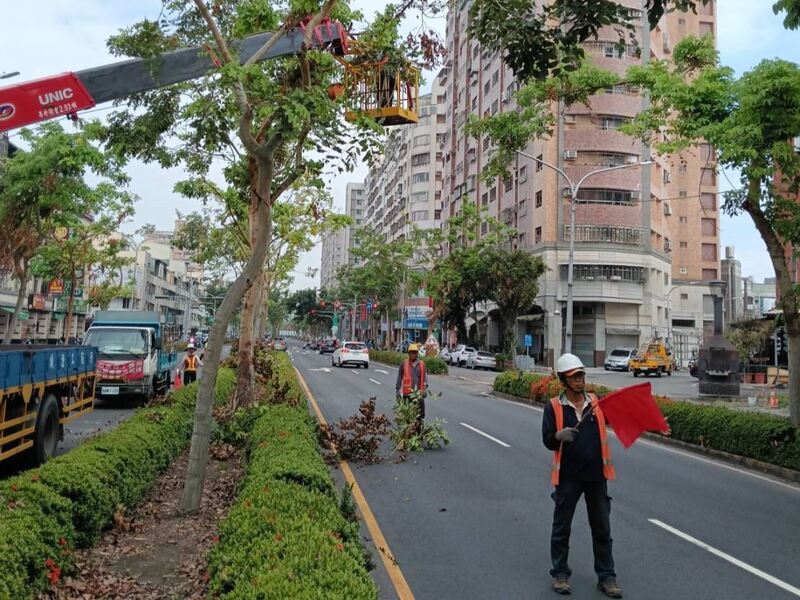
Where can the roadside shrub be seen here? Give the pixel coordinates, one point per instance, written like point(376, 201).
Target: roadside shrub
point(69, 500)
point(286, 536)
point(434, 364)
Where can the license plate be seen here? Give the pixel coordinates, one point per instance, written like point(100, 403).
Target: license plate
point(109, 390)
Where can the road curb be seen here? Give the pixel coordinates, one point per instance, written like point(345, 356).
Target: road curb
point(734, 459)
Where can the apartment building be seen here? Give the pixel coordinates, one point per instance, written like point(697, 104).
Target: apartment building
point(640, 233)
point(734, 296)
point(337, 245)
point(404, 191)
point(759, 298)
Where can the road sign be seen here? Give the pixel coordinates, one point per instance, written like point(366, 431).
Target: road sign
point(528, 340)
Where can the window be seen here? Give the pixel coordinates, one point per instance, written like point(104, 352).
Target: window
point(441, 119)
point(484, 228)
point(486, 87)
point(486, 142)
point(538, 203)
point(666, 279)
point(539, 165)
point(683, 219)
point(508, 184)
point(441, 98)
point(537, 235)
point(419, 215)
point(495, 107)
point(708, 201)
point(485, 199)
point(606, 196)
point(417, 160)
point(419, 197)
point(684, 245)
point(708, 177)
point(493, 194)
point(684, 296)
point(706, 28)
point(475, 103)
point(612, 122)
point(709, 275)
point(420, 177)
point(709, 251)
point(708, 226)
point(495, 77)
point(523, 207)
point(522, 175)
point(422, 140)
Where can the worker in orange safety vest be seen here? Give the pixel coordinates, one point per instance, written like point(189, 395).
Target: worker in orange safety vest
point(190, 365)
point(574, 428)
point(411, 377)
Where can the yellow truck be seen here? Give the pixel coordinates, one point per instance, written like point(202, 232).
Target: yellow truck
point(653, 358)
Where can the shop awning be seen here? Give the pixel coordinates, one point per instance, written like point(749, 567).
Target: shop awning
point(59, 316)
point(23, 314)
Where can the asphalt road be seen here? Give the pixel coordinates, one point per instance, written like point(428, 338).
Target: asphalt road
point(473, 520)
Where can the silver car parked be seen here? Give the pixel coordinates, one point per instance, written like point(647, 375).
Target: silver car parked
point(481, 360)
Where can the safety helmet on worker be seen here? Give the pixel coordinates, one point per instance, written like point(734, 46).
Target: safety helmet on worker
point(413, 347)
point(190, 346)
point(569, 364)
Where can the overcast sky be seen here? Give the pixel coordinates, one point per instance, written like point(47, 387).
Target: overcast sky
point(44, 37)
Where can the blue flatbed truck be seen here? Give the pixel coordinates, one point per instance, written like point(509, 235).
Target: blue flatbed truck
point(42, 388)
point(131, 358)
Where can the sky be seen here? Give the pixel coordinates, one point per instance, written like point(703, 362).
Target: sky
point(46, 37)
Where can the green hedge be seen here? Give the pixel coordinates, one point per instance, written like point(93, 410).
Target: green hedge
point(756, 435)
point(435, 365)
point(70, 500)
point(286, 536)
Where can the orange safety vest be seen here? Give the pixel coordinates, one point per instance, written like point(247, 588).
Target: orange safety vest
point(407, 389)
point(608, 466)
point(191, 363)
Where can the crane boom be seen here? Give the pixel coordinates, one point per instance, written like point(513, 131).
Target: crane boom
point(65, 94)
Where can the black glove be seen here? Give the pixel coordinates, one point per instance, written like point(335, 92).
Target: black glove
point(568, 434)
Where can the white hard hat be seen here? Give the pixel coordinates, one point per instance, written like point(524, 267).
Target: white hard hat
point(190, 346)
point(568, 364)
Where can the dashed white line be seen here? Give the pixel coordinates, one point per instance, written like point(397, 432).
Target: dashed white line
point(723, 555)
point(374, 381)
point(486, 435)
point(381, 371)
point(354, 371)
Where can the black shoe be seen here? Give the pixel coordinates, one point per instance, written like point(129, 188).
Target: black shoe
point(610, 588)
point(561, 586)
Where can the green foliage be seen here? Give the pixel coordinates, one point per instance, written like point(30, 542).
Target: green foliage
point(542, 40)
point(536, 387)
point(287, 537)
point(792, 10)
point(750, 337)
point(406, 433)
point(71, 499)
point(434, 364)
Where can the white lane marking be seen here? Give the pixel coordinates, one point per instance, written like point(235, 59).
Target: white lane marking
point(323, 369)
point(374, 381)
point(354, 371)
point(381, 371)
point(665, 448)
point(486, 435)
point(735, 561)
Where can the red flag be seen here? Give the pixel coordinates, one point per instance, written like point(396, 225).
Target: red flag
point(178, 381)
point(632, 411)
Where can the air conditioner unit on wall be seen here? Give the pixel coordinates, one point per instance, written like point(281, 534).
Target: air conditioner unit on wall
point(667, 245)
point(667, 177)
point(570, 154)
point(667, 209)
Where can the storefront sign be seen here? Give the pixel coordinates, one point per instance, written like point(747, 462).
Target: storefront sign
point(36, 302)
point(56, 287)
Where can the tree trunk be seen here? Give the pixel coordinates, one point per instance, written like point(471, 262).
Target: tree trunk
point(70, 304)
point(201, 433)
point(12, 322)
point(264, 313)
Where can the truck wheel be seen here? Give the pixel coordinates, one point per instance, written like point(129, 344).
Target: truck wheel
point(658, 372)
point(669, 372)
point(48, 430)
point(635, 373)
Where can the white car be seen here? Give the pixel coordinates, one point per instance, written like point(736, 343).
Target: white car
point(444, 354)
point(481, 360)
point(353, 353)
point(459, 355)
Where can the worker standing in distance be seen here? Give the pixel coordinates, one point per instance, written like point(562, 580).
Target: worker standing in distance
point(412, 377)
point(574, 428)
point(190, 365)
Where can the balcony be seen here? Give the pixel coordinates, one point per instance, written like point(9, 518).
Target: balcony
point(607, 234)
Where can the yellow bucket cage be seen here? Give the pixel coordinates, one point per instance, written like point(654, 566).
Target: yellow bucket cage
point(383, 91)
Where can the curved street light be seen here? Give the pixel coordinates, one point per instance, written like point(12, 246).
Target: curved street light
point(574, 188)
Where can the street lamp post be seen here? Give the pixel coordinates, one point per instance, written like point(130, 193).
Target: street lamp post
point(574, 188)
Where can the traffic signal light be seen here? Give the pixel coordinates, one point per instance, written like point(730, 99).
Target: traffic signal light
point(780, 339)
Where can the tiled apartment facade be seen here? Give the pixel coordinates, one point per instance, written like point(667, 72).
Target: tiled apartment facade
point(337, 245)
point(641, 232)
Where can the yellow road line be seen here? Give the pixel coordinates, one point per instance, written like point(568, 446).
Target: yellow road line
point(392, 568)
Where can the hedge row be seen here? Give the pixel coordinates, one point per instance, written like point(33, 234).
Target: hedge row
point(286, 537)
point(756, 435)
point(70, 500)
point(435, 365)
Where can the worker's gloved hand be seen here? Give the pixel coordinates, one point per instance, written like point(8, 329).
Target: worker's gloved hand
point(568, 434)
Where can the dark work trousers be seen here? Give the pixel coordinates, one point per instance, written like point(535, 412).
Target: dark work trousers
point(189, 377)
point(598, 505)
